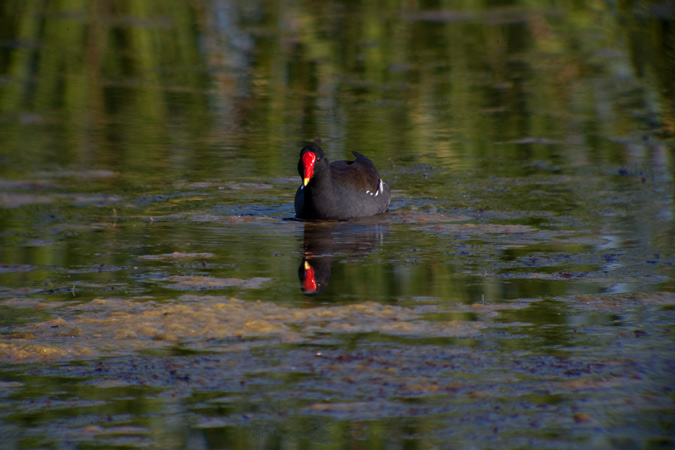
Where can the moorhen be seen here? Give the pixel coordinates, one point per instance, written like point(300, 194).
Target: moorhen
point(340, 190)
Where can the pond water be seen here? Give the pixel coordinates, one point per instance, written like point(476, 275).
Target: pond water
point(154, 291)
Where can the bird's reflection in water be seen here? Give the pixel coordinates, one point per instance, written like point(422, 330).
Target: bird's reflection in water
point(326, 242)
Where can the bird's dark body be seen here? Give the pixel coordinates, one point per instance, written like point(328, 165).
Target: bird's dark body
point(340, 190)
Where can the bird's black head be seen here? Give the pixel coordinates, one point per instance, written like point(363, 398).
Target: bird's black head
point(310, 157)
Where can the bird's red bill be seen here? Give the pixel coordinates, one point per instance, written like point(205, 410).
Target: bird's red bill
point(308, 164)
point(309, 283)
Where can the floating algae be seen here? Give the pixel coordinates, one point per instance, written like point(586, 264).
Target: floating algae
point(115, 326)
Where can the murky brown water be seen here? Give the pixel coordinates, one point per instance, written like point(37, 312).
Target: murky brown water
point(520, 293)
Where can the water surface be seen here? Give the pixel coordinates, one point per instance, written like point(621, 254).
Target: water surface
point(519, 292)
